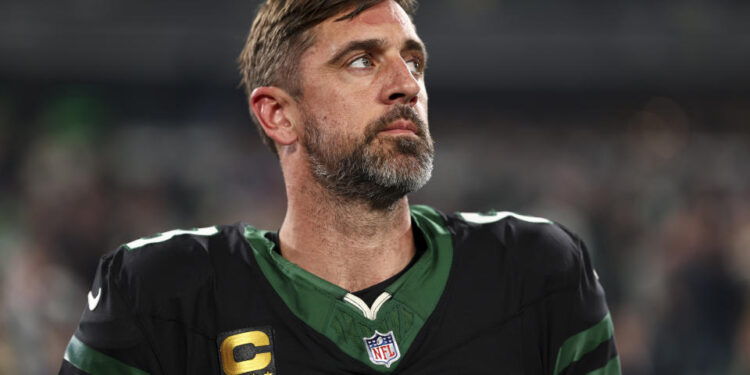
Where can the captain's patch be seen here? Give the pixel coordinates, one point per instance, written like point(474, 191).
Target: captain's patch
point(382, 348)
point(247, 352)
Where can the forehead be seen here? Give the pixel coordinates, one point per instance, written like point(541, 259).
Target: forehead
point(385, 20)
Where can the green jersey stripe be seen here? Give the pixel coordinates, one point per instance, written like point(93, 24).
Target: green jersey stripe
point(583, 342)
point(93, 362)
point(611, 368)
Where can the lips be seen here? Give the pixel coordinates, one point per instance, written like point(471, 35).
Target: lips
point(401, 126)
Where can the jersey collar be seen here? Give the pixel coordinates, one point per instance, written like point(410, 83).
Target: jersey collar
point(323, 306)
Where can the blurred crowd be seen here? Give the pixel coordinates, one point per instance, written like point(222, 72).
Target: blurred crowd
point(658, 187)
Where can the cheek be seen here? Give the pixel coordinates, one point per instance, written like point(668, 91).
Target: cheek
point(334, 119)
point(346, 113)
point(329, 99)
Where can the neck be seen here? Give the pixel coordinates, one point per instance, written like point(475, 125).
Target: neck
point(345, 242)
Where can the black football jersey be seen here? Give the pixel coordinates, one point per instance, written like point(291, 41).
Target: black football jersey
point(495, 293)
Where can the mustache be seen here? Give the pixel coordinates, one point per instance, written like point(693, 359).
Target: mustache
point(396, 113)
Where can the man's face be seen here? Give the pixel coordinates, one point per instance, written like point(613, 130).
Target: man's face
point(365, 107)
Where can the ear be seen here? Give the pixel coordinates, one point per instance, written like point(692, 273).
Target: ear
point(277, 113)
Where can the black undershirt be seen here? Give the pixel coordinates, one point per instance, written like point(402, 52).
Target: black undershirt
point(371, 293)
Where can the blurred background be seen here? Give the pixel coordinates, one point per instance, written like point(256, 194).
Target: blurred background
point(628, 122)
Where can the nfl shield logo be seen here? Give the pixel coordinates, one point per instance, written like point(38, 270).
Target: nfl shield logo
point(382, 348)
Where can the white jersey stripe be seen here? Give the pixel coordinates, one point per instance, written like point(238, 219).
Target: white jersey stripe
point(479, 218)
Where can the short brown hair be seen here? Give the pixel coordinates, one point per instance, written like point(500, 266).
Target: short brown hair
point(279, 37)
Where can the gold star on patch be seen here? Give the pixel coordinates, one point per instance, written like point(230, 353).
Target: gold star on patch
point(268, 373)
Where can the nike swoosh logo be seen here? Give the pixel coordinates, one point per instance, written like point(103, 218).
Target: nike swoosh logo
point(93, 301)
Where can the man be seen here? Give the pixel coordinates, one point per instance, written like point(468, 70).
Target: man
point(355, 281)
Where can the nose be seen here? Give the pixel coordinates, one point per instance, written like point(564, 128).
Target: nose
point(400, 85)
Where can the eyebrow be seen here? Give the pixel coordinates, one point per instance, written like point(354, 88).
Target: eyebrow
point(357, 45)
point(416, 46)
point(374, 45)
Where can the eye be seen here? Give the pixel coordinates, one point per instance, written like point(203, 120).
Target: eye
point(361, 62)
point(415, 66)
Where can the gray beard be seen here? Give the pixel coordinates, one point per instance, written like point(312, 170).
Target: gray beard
point(376, 170)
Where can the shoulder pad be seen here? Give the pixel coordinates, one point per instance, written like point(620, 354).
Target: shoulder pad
point(165, 266)
point(548, 257)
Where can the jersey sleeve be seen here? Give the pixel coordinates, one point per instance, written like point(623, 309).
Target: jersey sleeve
point(109, 338)
point(580, 329)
